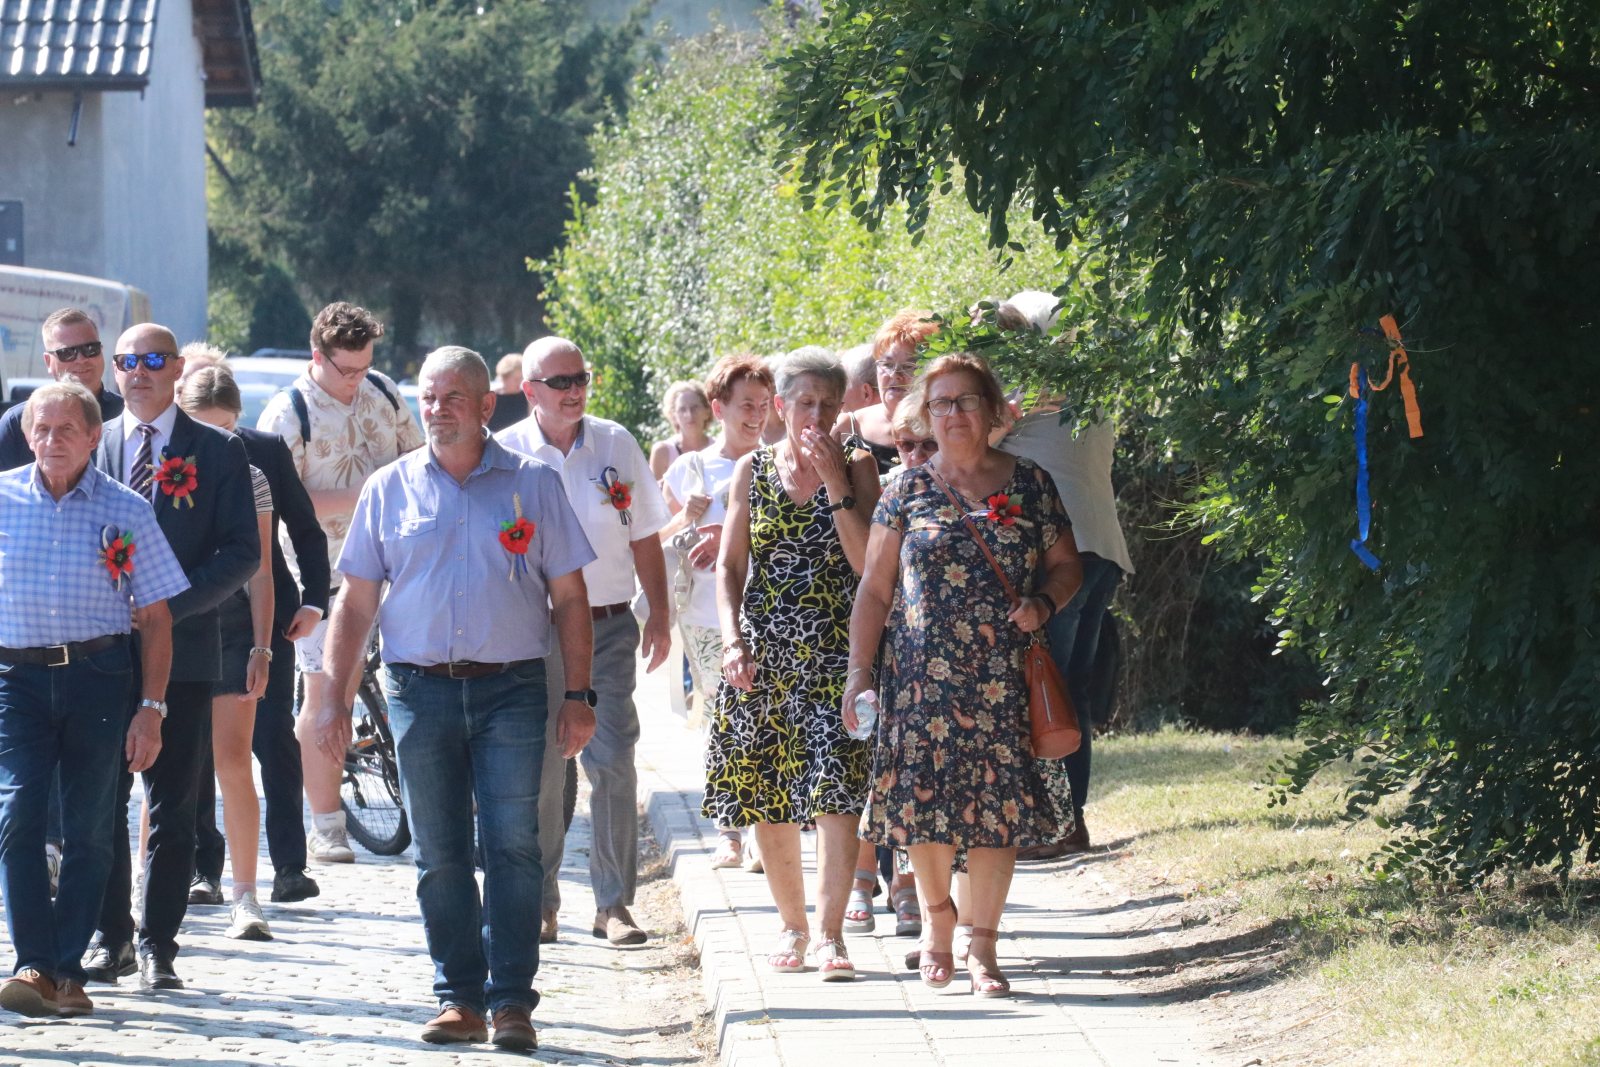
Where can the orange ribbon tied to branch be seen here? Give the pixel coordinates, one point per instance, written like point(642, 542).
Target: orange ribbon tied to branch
point(1398, 359)
point(1360, 389)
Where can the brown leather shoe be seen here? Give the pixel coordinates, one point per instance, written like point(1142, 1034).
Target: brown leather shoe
point(513, 1028)
point(29, 993)
point(455, 1024)
point(617, 926)
point(71, 1000)
point(548, 929)
point(1039, 853)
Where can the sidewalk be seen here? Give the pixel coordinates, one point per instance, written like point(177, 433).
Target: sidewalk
point(1068, 943)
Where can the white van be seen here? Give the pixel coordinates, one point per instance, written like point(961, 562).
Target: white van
point(28, 296)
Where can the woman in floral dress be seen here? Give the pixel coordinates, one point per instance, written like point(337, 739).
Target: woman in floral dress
point(953, 767)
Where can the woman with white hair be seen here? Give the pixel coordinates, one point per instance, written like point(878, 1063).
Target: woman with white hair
point(792, 550)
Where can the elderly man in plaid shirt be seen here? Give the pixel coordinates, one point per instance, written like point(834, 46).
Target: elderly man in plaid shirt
point(81, 561)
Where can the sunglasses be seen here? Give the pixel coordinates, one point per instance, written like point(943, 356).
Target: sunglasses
point(562, 382)
point(73, 353)
point(930, 445)
point(944, 405)
point(152, 360)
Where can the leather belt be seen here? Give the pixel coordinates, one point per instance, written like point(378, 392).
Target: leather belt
point(60, 655)
point(605, 611)
point(461, 670)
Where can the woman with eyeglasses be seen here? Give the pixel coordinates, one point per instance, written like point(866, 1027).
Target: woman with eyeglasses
point(953, 766)
point(894, 351)
point(687, 410)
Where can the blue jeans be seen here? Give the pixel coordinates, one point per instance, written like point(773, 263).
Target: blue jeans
point(74, 718)
point(1074, 634)
point(456, 742)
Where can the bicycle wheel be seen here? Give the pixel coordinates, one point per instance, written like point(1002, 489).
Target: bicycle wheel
point(370, 792)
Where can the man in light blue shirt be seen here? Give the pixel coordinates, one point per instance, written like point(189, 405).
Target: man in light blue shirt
point(81, 558)
point(480, 549)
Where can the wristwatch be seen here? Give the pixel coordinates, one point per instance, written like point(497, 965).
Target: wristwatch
point(588, 696)
point(844, 504)
point(159, 705)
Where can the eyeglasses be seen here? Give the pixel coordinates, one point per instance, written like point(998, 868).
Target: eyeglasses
point(152, 360)
point(349, 373)
point(944, 405)
point(73, 353)
point(562, 382)
point(897, 370)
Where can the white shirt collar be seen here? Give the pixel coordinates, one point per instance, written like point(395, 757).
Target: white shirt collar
point(163, 423)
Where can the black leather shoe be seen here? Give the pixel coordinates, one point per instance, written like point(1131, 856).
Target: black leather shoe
point(107, 963)
point(204, 891)
point(157, 973)
point(290, 886)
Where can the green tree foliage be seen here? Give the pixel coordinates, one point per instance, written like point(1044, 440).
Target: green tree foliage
point(412, 156)
point(1271, 178)
point(252, 304)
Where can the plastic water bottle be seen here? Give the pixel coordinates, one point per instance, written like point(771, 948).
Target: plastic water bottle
point(866, 716)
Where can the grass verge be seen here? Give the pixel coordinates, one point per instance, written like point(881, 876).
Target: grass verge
point(1508, 973)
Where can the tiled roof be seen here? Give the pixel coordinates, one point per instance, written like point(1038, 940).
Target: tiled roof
point(78, 44)
point(107, 44)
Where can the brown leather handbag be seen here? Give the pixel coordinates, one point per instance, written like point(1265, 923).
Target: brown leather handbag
point(1052, 720)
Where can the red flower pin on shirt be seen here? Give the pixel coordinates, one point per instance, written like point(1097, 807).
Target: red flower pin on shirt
point(516, 534)
point(619, 492)
point(116, 555)
point(177, 477)
point(1003, 510)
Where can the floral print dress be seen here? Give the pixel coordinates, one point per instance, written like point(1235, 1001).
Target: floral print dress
point(953, 763)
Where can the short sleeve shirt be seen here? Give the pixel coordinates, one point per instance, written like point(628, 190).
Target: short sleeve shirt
point(55, 587)
point(682, 480)
point(605, 454)
point(457, 591)
point(348, 443)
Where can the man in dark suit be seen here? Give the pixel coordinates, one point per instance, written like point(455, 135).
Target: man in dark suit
point(199, 482)
point(296, 611)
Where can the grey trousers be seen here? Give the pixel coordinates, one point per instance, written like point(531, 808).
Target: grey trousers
point(607, 763)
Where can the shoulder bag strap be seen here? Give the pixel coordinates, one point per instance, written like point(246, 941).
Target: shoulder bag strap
point(1005, 583)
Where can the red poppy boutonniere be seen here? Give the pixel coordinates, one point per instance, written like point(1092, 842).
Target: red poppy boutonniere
point(1003, 510)
point(516, 534)
point(177, 476)
point(618, 492)
point(116, 555)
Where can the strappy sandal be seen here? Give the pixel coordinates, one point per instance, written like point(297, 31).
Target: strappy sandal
point(986, 981)
point(833, 961)
point(907, 915)
point(858, 915)
point(930, 961)
point(790, 956)
point(730, 850)
point(961, 946)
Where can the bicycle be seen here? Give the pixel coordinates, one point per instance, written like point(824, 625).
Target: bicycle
point(369, 793)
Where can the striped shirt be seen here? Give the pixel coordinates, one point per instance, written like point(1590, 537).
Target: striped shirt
point(53, 586)
point(262, 489)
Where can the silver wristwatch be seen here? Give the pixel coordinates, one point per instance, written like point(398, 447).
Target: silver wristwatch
point(159, 705)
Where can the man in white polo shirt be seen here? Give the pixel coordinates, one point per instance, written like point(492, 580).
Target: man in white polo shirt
point(620, 508)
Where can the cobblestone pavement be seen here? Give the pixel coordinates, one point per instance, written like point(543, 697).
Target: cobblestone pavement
point(348, 982)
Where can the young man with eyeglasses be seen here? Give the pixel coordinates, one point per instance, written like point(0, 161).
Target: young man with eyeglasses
point(346, 424)
point(72, 352)
point(198, 480)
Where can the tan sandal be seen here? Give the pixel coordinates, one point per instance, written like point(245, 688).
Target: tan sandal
point(730, 850)
point(791, 947)
point(929, 962)
point(985, 981)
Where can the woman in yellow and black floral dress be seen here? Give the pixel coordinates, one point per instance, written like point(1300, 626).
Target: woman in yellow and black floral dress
point(778, 756)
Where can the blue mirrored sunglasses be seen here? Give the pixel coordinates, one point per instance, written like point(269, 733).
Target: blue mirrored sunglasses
point(152, 360)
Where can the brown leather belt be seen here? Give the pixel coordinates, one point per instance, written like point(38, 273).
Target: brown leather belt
point(59, 655)
point(462, 669)
point(605, 611)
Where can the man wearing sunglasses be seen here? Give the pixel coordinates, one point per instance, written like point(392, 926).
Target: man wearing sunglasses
point(207, 513)
point(620, 508)
point(72, 352)
point(351, 426)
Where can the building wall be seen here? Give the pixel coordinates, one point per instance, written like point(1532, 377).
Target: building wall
point(153, 191)
point(59, 186)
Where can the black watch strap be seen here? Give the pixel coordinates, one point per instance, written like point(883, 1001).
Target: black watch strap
point(588, 696)
point(845, 504)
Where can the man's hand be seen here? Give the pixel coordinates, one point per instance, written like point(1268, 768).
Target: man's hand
point(574, 727)
point(330, 730)
point(656, 640)
point(144, 740)
point(704, 553)
point(305, 620)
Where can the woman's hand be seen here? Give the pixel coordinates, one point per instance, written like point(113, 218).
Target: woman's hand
point(704, 553)
point(695, 507)
point(826, 457)
point(1030, 614)
point(857, 682)
point(738, 667)
point(255, 678)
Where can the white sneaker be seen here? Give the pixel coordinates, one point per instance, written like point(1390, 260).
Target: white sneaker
point(330, 846)
point(245, 921)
